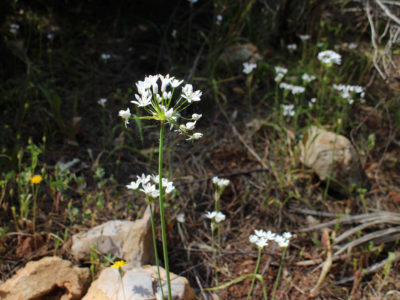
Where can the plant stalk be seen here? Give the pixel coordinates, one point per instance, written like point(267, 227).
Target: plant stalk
point(162, 217)
point(255, 273)
point(279, 274)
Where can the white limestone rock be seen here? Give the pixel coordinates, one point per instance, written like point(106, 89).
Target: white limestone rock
point(130, 241)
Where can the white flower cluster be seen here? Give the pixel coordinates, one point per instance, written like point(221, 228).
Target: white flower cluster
point(308, 78)
point(248, 67)
point(102, 101)
point(312, 102)
point(294, 89)
point(346, 92)
point(329, 57)
point(180, 218)
point(14, 28)
point(304, 37)
point(280, 73)
point(156, 97)
point(292, 47)
point(221, 182)
point(105, 56)
point(261, 238)
point(143, 183)
point(215, 216)
point(288, 110)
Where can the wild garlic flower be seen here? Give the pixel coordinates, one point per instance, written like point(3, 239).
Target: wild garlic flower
point(219, 20)
point(280, 73)
point(180, 218)
point(196, 117)
point(261, 238)
point(215, 216)
point(304, 37)
point(353, 46)
point(102, 101)
point(189, 95)
point(288, 110)
point(14, 28)
point(125, 114)
point(195, 136)
point(312, 102)
point(329, 57)
point(50, 36)
point(260, 242)
point(105, 56)
point(220, 182)
point(348, 91)
point(154, 95)
point(248, 67)
point(292, 47)
point(308, 78)
point(294, 89)
point(144, 185)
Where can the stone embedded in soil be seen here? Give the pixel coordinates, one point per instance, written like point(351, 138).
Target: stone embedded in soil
point(130, 241)
point(48, 278)
point(239, 53)
point(137, 284)
point(332, 155)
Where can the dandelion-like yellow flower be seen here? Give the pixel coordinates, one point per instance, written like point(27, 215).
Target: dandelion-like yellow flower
point(36, 179)
point(118, 264)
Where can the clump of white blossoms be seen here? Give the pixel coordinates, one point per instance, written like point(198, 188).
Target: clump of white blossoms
point(105, 56)
point(292, 47)
point(180, 218)
point(220, 182)
point(280, 73)
point(304, 37)
point(216, 217)
point(348, 91)
point(261, 238)
point(102, 101)
point(288, 110)
point(308, 78)
point(312, 102)
point(329, 57)
point(14, 28)
point(148, 185)
point(248, 67)
point(155, 96)
point(294, 89)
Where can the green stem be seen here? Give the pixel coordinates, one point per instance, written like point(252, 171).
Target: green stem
point(214, 253)
point(153, 229)
point(255, 273)
point(279, 274)
point(35, 192)
point(162, 217)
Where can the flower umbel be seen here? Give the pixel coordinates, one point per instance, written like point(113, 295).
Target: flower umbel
point(155, 95)
point(329, 57)
point(248, 67)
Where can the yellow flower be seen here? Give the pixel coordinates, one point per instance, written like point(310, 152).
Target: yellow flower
point(36, 179)
point(118, 264)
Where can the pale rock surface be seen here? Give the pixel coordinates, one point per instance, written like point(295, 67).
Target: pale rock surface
point(50, 278)
point(137, 284)
point(332, 155)
point(239, 53)
point(130, 241)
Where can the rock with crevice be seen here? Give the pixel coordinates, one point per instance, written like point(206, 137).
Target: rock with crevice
point(48, 278)
point(333, 157)
point(137, 284)
point(130, 241)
